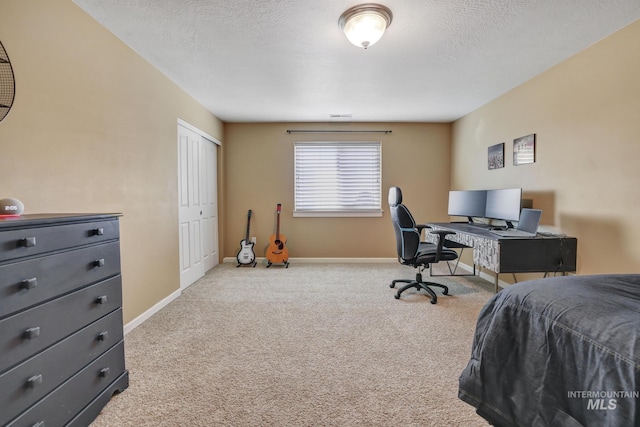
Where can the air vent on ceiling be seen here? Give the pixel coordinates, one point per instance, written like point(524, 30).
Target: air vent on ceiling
point(339, 117)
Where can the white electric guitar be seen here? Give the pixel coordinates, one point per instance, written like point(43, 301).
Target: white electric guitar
point(246, 255)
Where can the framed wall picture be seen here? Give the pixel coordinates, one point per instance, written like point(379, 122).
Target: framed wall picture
point(524, 150)
point(496, 156)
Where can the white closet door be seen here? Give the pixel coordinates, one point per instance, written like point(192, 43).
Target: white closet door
point(209, 204)
point(197, 194)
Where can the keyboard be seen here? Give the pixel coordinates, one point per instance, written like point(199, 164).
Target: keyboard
point(472, 228)
point(512, 232)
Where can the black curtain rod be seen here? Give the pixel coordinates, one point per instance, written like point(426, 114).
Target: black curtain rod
point(337, 131)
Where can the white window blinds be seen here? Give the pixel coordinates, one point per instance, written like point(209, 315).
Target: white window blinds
point(338, 178)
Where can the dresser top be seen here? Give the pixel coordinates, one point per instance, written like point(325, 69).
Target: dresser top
point(32, 220)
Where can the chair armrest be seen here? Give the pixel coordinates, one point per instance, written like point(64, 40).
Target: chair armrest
point(421, 227)
point(442, 234)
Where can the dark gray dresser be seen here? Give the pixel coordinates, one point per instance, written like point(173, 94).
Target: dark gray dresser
point(61, 332)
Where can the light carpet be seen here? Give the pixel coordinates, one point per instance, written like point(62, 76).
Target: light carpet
point(308, 345)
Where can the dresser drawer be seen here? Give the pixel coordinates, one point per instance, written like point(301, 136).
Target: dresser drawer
point(60, 406)
point(27, 283)
point(37, 240)
point(29, 332)
point(28, 382)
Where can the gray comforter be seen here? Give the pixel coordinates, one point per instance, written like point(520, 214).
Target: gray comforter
point(562, 351)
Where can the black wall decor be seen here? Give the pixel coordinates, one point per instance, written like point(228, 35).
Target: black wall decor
point(496, 156)
point(7, 84)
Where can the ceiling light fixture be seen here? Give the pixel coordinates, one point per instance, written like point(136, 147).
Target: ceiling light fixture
point(364, 24)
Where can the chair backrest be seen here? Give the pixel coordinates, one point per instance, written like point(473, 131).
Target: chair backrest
point(407, 235)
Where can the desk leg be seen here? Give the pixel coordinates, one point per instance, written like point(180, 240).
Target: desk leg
point(495, 283)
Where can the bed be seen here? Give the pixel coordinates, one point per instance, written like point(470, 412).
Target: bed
point(561, 351)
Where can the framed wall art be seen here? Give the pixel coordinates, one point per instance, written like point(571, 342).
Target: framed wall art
point(495, 156)
point(524, 150)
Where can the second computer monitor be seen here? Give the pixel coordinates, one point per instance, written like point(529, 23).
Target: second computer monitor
point(504, 204)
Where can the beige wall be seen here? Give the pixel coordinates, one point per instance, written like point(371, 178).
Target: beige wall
point(585, 113)
point(259, 174)
point(93, 129)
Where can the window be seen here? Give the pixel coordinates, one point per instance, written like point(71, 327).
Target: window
point(338, 179)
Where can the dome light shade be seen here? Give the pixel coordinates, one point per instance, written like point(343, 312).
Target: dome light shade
point(365, 24)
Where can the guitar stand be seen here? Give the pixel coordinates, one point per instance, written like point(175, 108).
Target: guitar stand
point(253, 264)
point(285, 263)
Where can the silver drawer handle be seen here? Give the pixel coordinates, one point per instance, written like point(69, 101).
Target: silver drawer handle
point(28, 242)
point(34, 381)
point(98, 231)
point(32, 333)
point(102, 299)
point(29, 283)
point(104, 372)
point(102, 336)
point(98, 263)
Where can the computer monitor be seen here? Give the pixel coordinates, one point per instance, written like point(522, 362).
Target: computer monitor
point(504, 204)
point(469, 203)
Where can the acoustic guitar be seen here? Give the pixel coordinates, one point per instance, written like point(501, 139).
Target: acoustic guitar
point(246, 255)
point(277, 251)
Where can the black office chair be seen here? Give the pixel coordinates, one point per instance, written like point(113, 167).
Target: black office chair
point(413, 252)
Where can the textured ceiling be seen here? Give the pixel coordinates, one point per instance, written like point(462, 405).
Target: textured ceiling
point(286, 60)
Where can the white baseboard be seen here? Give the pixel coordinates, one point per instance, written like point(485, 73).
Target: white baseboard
point(153, 310)
point(324, 260)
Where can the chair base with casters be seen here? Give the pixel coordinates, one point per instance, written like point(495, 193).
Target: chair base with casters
point(419, 283)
